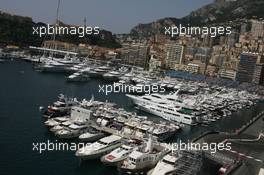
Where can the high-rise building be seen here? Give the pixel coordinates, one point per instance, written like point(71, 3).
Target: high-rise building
point(257, 28)
point(246, 67)
point(174, 54)
point(135, 54)
point(232, 39)
point(243, 28)
point(258, 77)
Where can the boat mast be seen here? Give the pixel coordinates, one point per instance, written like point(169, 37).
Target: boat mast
point(56, 25)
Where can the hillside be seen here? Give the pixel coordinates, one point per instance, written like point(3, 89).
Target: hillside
point(220, 11)
point(18, 30)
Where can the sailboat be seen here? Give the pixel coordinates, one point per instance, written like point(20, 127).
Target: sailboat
point(48, 60)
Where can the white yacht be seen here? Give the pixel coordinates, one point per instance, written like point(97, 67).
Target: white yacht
point(53, 66)
point(165, 166)
point(91, 136)
point(78, 77)
point(127, 77)
point(119, 154)
point(112, 75)
point(77, 68)
point(72, 131)
point(168, 107)
point(179, 162)
point(56, 128)
point(99, 148)
point(99, 71)
point(51, 123)
point(164, 131)
point(144, 159)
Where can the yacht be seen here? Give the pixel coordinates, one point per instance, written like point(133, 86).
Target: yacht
point(144, 159)
point(179, 162)
point(112, 75)
point(91, 136)
point(72, 131)
point(53, 66)
point(120, 153)
point(105, 119)
point(164, 131)
point(78, 77)
point(168, 107)
point(167, 165)
point(99, 71)
point(51, 123)
point(77, 68)
point(99, 148)
point(127, 77)
point(61, 107)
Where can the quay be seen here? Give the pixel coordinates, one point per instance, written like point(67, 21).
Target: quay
point(242, 156)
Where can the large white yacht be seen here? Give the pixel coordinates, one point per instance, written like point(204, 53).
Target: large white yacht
point(144, 159)
point(99, 148)
point(168, 107)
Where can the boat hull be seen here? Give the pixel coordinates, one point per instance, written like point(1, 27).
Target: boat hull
point(97, 155)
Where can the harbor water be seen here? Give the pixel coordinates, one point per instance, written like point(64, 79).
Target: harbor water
point(23, 90)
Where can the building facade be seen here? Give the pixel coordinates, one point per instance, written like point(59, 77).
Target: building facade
point(174, 54)
point(246, 67)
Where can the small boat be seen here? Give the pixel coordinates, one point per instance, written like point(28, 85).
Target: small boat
point(41, 108)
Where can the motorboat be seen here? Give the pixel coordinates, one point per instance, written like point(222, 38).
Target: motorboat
point(164, 131)
point(99, 71)
point(120, 153)
point(179, 162)
point(61, 107)
point(72, 131)
point(91, 136)
point(99, 148)
point(144, 159)
point(112, 75)
point(51, 123)
point(78, 77)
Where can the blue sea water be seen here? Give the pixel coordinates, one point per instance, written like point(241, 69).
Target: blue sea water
point(23, 90)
